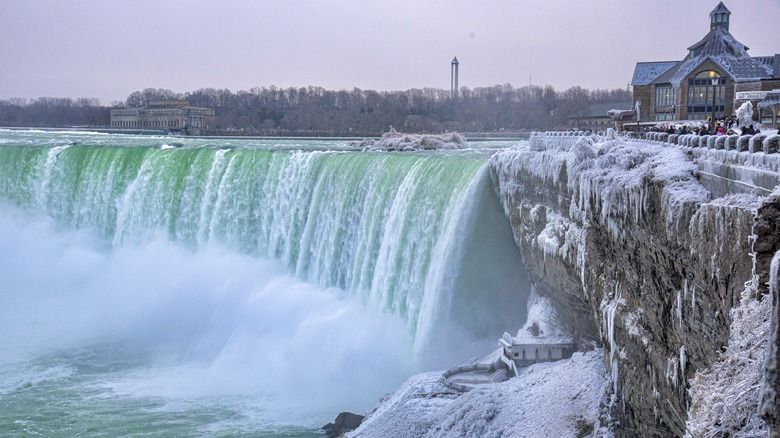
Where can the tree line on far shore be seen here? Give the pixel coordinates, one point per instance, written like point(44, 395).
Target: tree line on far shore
point(317, 111)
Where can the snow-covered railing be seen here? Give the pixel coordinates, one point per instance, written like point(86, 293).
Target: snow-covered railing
point(772, 144)
point(656, 136)
point(478, 367)
point(559, 140)
point(726, 164)
point(510, 365)
point(757, 143)
point(564, 140)
point(558, 133)
point(768, 144)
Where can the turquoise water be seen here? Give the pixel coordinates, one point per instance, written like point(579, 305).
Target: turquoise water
point(165, 286)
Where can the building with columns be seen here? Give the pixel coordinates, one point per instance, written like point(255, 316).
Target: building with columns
point(715, 77)
point(175, 116)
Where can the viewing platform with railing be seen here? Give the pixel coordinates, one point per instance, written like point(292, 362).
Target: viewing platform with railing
point(727, 164)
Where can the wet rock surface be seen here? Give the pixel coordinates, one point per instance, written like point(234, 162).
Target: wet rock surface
point(768, 225)
point(654, 283)
point(345, 422)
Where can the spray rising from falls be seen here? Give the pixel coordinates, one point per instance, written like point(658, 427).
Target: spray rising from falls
point(247, 287)
point(418, 236)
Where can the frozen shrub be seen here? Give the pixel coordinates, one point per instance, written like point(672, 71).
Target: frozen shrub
point(724, 397)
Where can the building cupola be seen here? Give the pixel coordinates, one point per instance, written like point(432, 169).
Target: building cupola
point(719, 17)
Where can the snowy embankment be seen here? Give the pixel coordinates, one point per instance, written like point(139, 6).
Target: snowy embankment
point(395, 141)
point(563, 398)
point(607, 176)
point(552, 399)
point(627, 230)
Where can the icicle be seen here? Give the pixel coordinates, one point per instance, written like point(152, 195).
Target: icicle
point(609, 311)
point(679, 307)
point(672, 368)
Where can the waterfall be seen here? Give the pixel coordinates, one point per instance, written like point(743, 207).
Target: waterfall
point(420, 236)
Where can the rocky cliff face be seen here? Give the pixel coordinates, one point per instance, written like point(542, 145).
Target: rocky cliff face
point(636, 254)
point(768, 227)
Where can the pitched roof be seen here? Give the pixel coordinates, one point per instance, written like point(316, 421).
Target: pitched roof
point(719, 41)
point(768, 61)
point(724, 50)
point(647, 72)
point(721, 8)
point(718, 46)
point(602, 109)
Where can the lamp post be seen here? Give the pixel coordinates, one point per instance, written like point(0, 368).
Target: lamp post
point(714, 85)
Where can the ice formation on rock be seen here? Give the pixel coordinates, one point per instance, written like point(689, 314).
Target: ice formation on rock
point(396, 141)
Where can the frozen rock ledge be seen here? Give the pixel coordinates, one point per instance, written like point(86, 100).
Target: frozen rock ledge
point(395, 141)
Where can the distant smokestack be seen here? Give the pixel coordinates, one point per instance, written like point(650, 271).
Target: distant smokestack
point(454, 78)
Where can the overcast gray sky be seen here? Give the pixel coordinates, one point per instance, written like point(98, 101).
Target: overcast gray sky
point(109, 48)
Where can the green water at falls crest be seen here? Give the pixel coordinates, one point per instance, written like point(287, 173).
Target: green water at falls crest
point(390, 229)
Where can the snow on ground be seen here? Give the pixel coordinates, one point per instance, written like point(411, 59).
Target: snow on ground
point(410, 411)
point(556, 399)
point(561, 399)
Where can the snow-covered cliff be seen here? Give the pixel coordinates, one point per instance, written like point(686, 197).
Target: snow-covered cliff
point(636, 251)
point(656, 253)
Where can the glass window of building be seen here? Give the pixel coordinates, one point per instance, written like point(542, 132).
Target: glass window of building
point(766, 116)
point(703, 96)
point(664, 103)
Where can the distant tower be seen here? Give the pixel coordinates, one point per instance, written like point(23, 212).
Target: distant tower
point(454, 78)
point(719, 17)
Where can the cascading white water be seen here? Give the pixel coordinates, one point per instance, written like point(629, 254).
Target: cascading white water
point(310, 278)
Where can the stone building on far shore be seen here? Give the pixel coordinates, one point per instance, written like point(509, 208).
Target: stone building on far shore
point(715, 77)
point(175, 116)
